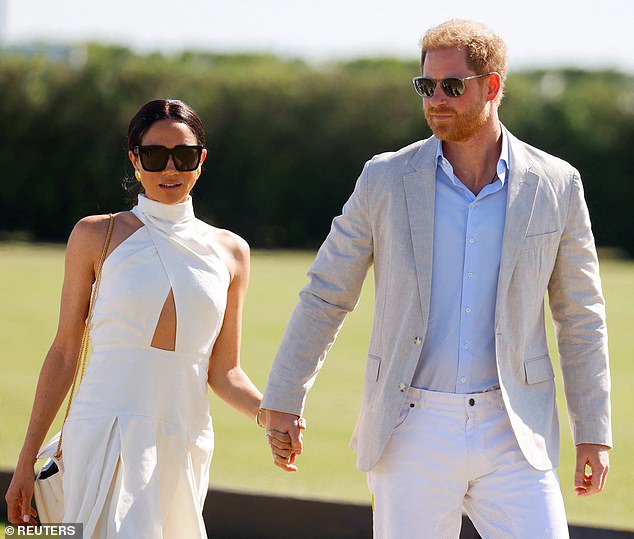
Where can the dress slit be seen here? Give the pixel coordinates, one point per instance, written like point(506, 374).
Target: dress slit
point(164, 336)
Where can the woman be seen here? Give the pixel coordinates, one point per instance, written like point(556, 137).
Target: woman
point(138, 441)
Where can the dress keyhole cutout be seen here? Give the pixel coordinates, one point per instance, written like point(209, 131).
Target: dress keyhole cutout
point(165, 332)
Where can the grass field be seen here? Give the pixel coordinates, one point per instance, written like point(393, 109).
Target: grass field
point(31, 282)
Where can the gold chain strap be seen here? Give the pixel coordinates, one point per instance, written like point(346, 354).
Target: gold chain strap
point(85, 340)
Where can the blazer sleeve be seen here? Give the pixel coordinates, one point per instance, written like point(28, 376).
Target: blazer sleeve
point(578, 310)
point(335, 280)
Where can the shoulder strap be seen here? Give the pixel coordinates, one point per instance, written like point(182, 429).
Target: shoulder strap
point(85, 340)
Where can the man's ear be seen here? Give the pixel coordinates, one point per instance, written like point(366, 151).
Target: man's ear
point(494, 86)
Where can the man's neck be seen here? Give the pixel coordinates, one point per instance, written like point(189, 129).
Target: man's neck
point(474, 161)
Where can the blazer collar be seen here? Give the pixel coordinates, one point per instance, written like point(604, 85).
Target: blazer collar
point(420, 194)
point(522, 192)
point(426, 155)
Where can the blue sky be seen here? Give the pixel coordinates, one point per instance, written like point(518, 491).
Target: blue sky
point(540, 33)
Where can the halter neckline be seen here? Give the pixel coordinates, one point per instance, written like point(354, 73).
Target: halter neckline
point(171, 213)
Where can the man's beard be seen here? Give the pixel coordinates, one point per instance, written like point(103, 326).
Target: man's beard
point(461, 127)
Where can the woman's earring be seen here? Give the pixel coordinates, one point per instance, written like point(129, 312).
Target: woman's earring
point(198, 174)
point(137, 175)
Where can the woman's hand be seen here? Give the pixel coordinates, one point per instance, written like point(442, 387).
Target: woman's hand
point(19, 495)
point(281, 448)
point(284, 433)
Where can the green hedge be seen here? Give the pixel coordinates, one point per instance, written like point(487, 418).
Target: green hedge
point(287, 140)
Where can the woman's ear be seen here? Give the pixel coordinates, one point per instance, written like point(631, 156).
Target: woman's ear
point(134, 159)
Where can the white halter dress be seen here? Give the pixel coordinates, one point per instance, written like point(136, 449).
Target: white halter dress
point(138, 442)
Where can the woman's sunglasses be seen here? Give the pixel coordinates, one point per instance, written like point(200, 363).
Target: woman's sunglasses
point(452, 86)
point(154, 158)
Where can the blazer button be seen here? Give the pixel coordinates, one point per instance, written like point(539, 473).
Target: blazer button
point(418, 341)
point(402, 387)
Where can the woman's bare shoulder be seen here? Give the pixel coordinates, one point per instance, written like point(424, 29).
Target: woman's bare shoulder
point(233, 244)
point(88, 230)
point(234, 250)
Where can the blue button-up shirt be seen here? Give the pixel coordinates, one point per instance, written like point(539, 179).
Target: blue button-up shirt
point(458, 354)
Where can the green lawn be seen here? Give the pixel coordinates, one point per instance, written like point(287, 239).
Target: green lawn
point(31, 278)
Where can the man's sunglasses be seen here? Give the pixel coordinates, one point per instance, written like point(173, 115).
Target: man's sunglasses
point(154, 158)
point(452, 86)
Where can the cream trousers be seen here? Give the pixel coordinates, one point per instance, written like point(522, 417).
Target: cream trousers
point(453, 451)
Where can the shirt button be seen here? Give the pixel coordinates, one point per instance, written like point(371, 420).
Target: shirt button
point(471, 241)
point(471, 402)
point(467, 310)
point(418, 341)
point(402, 387)
point(473, 205)
point(462, 379)
point(466, 346)
point(469, 275)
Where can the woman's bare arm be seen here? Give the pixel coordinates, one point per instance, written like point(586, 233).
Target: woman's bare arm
point(82, 255)
point(226, 377)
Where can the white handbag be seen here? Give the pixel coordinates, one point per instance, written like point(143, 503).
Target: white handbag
point(48, 489)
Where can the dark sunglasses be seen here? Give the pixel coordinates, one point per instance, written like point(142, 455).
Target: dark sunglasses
point(452, 86)
point(154, 158)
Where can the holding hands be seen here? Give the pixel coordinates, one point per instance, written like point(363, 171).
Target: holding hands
point(283, 432)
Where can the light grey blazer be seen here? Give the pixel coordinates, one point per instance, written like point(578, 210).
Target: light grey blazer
point(547, 246)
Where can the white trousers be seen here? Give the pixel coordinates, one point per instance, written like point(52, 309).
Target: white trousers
point(452, 451)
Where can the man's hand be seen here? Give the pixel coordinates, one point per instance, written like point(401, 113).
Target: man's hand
point(596, 458)
point(285, 437)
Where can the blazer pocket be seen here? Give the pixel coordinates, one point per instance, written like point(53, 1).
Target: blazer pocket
point(538, 241)
point(538, 369)
point(372, 368)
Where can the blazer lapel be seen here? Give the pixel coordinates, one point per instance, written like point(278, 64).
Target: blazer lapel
point(522, 190)
point(420, 193)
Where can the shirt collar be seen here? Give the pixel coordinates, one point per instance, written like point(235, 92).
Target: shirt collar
point(503, 165)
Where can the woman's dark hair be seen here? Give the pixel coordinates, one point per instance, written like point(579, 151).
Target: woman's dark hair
point(146, 116)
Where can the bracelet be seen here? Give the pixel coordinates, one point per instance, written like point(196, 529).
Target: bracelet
point(257, 418)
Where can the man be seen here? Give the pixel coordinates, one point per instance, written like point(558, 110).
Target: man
point(467, 231)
